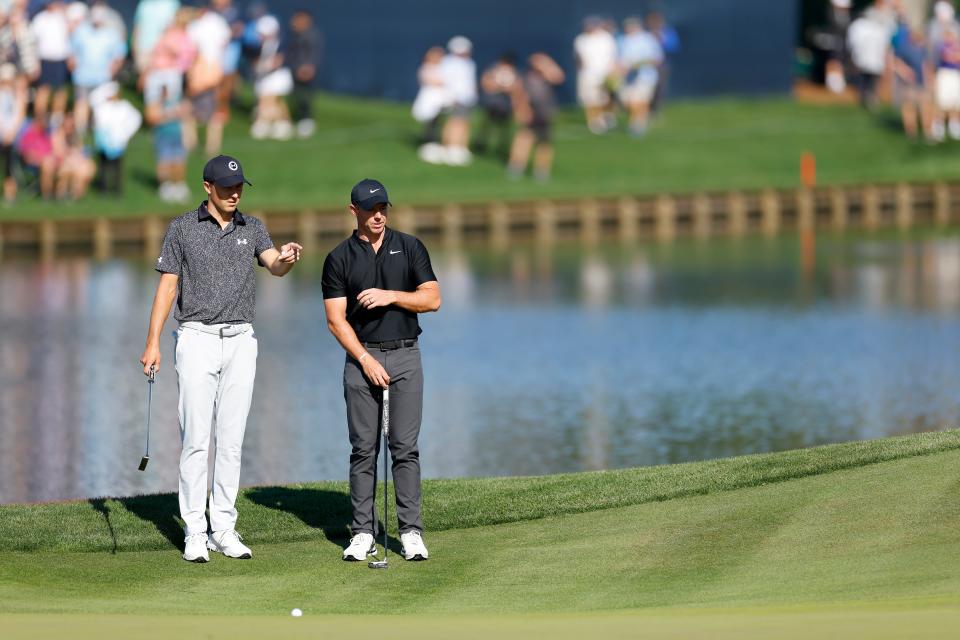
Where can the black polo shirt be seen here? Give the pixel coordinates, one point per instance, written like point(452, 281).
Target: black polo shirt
point(402, 264)
point(215, 265)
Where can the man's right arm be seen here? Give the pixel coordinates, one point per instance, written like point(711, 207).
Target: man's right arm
point(162, 303)
point(336, 309)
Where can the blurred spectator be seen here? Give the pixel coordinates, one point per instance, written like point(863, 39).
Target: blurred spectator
point(836, 74)
point(303, 57)
point(211, 35)
point(869, 39)
point(50, 30)
point(250, 39)
point(112, 19)
point(460, 79)
point(172, 56)
point(596, 54)
point(534, 105)
point(114, 122)
point(77, 13)
point(97, 53)
point(497, 83)
point(17, 43)
point(231, 55)
point(165, 111)
point(640, 58)
point(74, 166)
point(35, 148)
point(431, 100)
point(944, 19)
point(150, 20)
point(948, 81)
point(13, 112)
point(273, 82)
point(912, 75)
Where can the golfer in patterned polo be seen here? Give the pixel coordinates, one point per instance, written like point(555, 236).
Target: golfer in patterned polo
point(206, 265)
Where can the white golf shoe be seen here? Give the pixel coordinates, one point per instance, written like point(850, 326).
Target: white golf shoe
point(228, 543)
point(413, 547)
point(195, 548)
point(361, 546)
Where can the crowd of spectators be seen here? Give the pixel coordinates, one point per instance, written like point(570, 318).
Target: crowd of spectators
point(616, 73)
point(882, 50)
point(65, 123)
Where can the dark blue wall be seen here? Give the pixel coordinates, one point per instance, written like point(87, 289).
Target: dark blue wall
point(373, 47)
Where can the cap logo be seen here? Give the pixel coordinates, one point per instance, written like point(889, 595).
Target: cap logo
point(232, 165)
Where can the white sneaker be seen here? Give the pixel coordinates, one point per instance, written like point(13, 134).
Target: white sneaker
point(305, 128)
point(413, 547)
point(459, 156)
point(260, 130)
point(361, 546)
point(281, 130)
point(228, 543)
point(195, 548)
point(433, 153)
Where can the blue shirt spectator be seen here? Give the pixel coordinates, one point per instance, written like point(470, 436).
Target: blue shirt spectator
point(97, 54)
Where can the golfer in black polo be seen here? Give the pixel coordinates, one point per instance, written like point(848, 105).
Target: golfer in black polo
point(374, 284)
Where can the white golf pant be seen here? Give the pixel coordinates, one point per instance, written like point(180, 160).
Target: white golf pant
point(216, 365)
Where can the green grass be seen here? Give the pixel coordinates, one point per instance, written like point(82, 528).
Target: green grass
point(717, 144)
point(852, 540)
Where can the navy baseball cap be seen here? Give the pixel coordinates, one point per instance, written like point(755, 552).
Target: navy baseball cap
point(367, 193)
point(224, 171)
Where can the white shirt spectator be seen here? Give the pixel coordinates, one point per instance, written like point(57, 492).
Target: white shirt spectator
point(51, 32)
point(869, 40)
point(597, 51)
point(460, 79)
point(211, 33)
point(641, 50)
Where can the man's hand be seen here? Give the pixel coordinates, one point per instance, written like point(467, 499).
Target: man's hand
point(290, 253)
point(375, 372)
point(151, 358)
point(373, 298)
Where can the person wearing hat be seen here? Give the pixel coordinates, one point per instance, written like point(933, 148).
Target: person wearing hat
point(206, 265)
point(374, 284)
point(460, 80)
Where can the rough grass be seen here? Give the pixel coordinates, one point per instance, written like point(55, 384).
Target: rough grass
point(298, 512)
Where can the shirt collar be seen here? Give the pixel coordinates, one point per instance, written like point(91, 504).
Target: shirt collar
point(387, 234)
point(203, 214)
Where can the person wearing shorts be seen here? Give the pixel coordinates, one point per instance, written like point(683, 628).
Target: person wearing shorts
point(51, 34)
point(948, 81)
point(375, 283)
point(460, 79)
point(535, 104)
point(206, 266)
point(640, 58)
point(165, 112)
point(596, 54)
point(13, 111)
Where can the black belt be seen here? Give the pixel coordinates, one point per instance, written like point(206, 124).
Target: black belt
point(390, 345)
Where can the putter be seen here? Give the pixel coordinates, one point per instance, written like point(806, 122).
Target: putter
point(146, 455)
point(382, 564)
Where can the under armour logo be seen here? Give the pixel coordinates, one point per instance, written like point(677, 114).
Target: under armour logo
point(160, 259)
point(241, 241)
point(232, 165)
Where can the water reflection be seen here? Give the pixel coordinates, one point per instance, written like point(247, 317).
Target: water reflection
point(543, 359)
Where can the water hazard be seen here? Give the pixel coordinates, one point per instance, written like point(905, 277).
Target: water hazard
point(542, 360)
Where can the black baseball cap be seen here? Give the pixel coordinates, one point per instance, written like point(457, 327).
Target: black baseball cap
point(369, 192)
point(224, 171)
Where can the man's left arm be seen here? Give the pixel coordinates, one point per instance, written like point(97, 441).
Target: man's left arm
point(424, 299)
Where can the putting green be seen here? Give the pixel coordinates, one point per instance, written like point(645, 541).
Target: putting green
point(868, 552)
point(734, 624)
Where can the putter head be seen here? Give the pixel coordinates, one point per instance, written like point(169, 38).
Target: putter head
point(377, 564)
point(143, 462)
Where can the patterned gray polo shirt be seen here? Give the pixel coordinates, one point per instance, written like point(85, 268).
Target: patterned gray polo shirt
point(215, 265)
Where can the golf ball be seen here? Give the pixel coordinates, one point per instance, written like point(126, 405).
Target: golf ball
point(296, 613)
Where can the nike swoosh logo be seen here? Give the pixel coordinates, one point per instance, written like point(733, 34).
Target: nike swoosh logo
point(393, 252)
point(375, 190)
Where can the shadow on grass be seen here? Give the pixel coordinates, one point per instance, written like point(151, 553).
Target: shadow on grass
point(329, 511)
point(162, 511)
point(100, 506)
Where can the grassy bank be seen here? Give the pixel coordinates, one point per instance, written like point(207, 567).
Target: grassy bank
point(856, 540)
point(718, 144)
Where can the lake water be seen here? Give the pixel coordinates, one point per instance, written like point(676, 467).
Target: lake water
point(541, 360)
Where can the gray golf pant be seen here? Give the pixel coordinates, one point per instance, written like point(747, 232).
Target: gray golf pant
point(364, 403)
point(216, 365)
